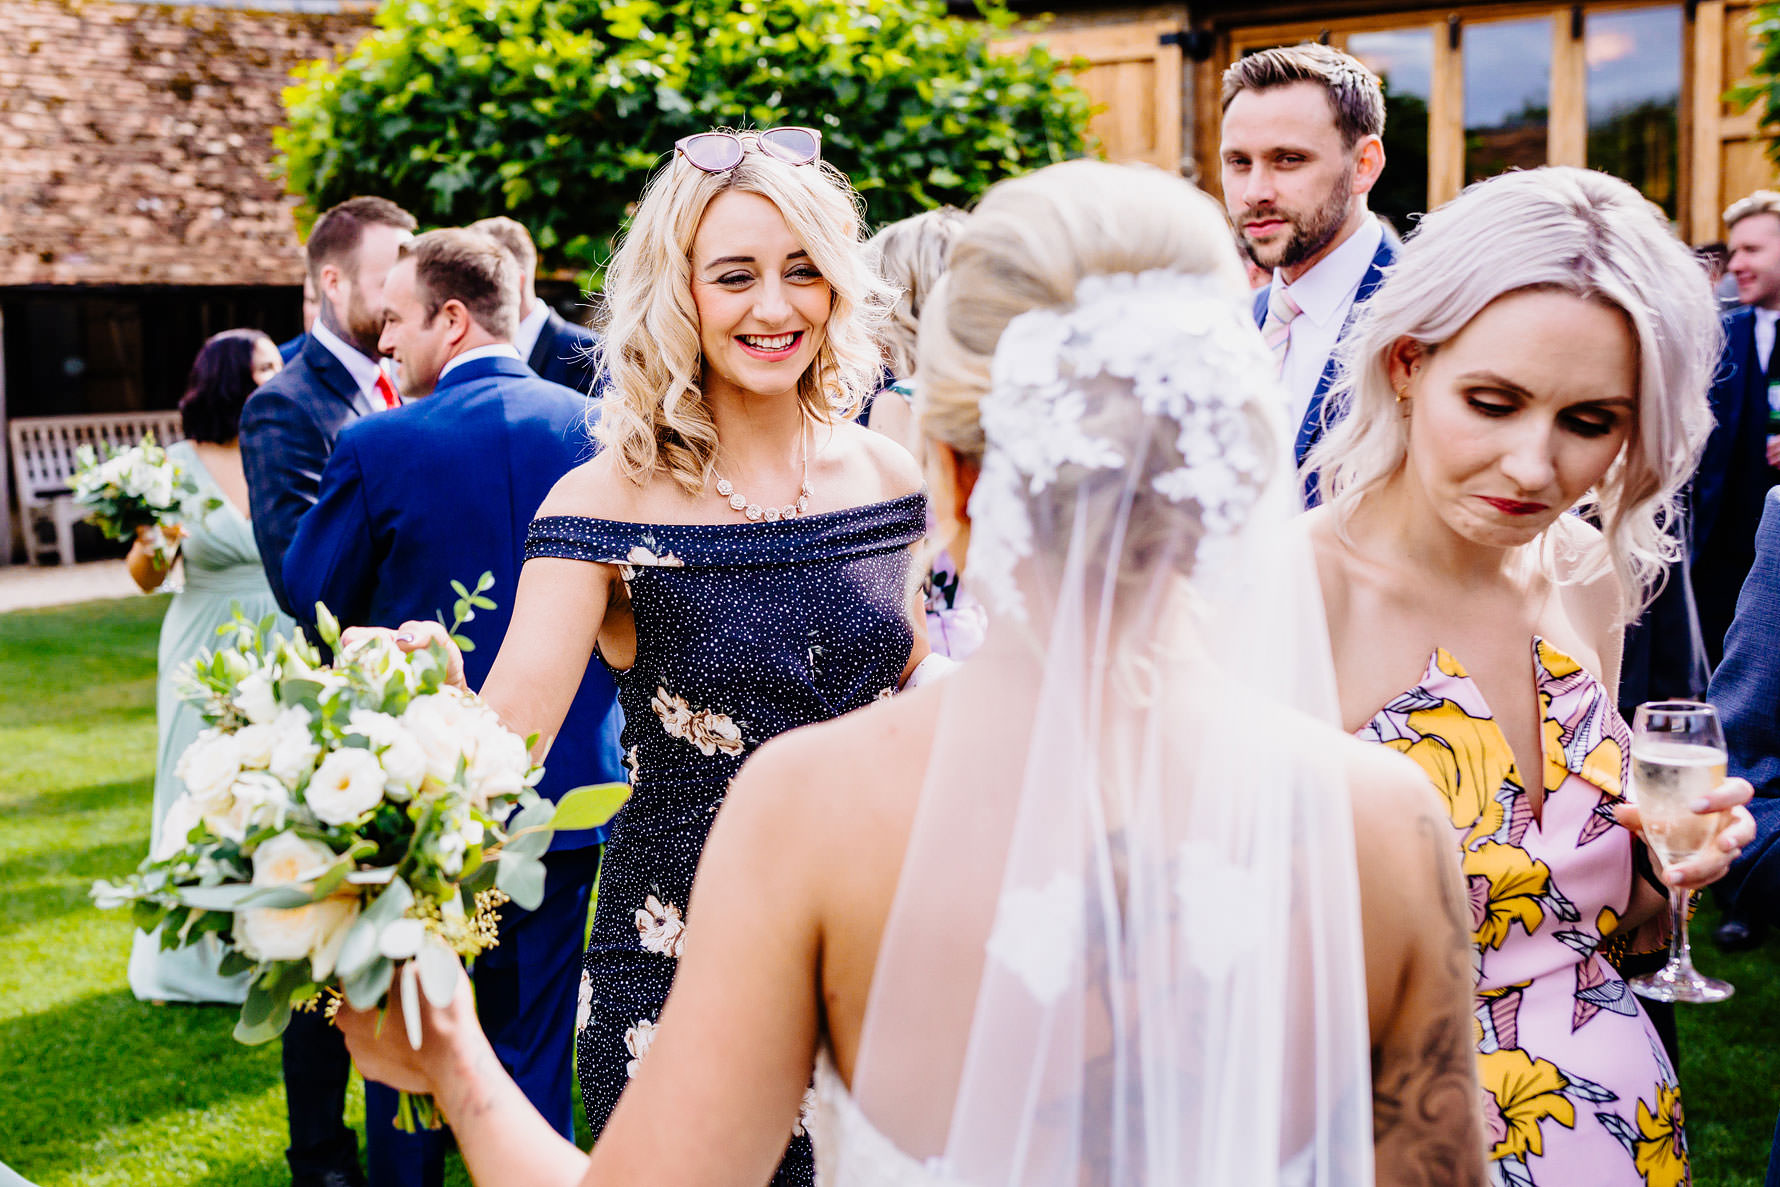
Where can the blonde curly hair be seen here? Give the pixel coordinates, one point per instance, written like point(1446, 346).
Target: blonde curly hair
point(654, 417)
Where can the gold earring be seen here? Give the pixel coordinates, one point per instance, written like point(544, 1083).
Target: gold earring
point(1402, 393)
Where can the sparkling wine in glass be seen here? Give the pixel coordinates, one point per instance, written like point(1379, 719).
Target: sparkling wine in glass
point(1678, 755)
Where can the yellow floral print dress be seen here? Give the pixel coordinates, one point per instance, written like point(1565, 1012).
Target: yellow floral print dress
point(1576, 1087)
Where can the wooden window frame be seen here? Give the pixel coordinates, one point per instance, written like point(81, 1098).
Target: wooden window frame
point(1567, 130)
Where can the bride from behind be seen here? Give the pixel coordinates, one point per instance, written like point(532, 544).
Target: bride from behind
point(1116, 902)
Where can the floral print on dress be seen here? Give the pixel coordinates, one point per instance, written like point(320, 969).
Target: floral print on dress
point(712, 733)
point(584, 1002)
point(659, 928)
point(764, 627)
point(1576, 1087)
point(637, 1040)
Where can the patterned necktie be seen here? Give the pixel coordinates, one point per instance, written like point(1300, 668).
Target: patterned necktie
point(1277, 327)
point(387, 390)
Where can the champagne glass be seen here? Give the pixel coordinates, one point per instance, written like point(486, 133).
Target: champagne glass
point(1678, 755)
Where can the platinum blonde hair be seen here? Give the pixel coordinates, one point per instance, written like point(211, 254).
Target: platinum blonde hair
point(1566, 230)
point(654, 417)
point(910, 254)
point(1027, 245)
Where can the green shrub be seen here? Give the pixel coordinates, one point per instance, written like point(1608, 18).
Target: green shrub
point(556, 111)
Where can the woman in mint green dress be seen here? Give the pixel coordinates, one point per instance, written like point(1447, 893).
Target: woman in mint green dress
point(222, 570)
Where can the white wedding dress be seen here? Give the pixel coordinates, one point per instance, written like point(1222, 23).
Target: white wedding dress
point(850, 1151)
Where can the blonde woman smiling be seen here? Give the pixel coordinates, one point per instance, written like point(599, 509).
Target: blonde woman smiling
point(736, 554)
point(1544, 346)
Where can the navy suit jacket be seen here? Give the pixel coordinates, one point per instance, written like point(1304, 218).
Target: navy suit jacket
point(293, 347)
point(1316, 419)
point(1746, 691)
point(288, 428)
point(564, 354)
point(443, 489)
point(1725, 500)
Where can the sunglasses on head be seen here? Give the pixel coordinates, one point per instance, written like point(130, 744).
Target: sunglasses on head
point(719, 152)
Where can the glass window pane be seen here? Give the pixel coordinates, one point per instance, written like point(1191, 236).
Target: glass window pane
point(1634, 97)
point(1403, 59)
point(1507, 95)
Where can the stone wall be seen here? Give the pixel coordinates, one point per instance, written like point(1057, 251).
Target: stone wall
point(136, 140)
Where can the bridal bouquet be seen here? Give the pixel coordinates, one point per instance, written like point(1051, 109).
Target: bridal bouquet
point(348, 830)
point(126, 489)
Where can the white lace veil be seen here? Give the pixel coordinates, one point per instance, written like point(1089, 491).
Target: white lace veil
point(1125, 946)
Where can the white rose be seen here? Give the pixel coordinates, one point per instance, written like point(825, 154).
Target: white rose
point(294, 750)
point(269, 933)
point(253, 696)
point(404, 762)
point(183, 815)
point(348, 784)
point(210, 764)
point(438, 724)
point(255, 799)
point(499, 763)
point(253, 746)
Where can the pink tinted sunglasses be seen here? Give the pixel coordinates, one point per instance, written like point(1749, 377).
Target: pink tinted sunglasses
point(719, 152)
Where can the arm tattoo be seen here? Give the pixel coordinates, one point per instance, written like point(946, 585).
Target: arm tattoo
point(1425, 1096)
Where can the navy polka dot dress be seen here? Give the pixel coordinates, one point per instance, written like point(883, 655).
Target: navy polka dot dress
point(744, 631)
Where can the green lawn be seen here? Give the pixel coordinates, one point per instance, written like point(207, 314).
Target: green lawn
point(96, 1088)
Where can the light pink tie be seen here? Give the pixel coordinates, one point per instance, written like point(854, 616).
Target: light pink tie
point(1277, 327)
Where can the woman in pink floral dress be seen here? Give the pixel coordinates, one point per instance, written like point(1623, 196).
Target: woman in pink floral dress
point(1542, 347)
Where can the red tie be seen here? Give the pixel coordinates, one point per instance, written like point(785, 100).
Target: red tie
point(387, 390)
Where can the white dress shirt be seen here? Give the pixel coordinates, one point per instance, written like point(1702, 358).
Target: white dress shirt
point(1325, 294)
point(363, 369)
point(1764, 335)
point(494, 350)
point(530, 326)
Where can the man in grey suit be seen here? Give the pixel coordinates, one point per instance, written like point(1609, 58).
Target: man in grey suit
point(556, 348)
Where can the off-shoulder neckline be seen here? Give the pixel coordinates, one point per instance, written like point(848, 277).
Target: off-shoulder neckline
point(740, 525)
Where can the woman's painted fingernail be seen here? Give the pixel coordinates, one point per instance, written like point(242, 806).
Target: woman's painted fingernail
point(408, 637)
point(1701, 805)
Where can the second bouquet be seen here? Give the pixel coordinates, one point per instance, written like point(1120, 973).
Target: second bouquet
point(348, 829)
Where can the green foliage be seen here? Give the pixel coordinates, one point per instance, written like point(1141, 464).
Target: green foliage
point(1763, 83)
point(556, 111)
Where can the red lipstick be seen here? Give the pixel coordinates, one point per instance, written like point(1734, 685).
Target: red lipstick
point(1513, 506)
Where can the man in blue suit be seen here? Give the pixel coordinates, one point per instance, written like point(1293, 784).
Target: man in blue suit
point(288, 428)
point(1301, 150)
point(551, 345)
point(1746, 691)
point(444, 488)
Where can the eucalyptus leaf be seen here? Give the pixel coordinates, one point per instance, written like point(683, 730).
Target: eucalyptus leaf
point(533, 844)
point(438, 971)
point(521, 879)
point(589, 807)
point(366, 989)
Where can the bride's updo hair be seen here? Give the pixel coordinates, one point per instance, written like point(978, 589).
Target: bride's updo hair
point(1027, 246)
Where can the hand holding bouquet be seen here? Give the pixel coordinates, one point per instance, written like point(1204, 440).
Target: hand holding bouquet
point(138, 487)
point(351, 828)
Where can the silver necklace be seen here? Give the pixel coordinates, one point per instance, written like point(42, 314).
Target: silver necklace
point(754, 511)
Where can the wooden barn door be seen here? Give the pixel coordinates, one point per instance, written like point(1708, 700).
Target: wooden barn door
point(1729, 149)
point(1134, 80)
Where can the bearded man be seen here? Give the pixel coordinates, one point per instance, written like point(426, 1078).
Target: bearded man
point(288, 426)
point(1301, 150)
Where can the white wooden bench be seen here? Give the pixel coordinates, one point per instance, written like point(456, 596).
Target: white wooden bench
point(43, 467)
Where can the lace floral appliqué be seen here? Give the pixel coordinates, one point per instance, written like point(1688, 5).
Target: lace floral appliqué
point(1192, 355)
